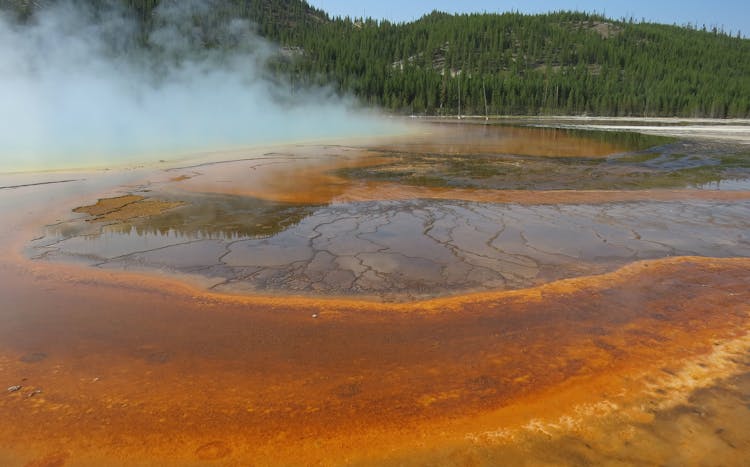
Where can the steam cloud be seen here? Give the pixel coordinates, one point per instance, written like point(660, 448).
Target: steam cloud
point(77, 88)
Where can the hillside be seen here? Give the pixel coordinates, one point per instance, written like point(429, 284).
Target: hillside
point(558, 63)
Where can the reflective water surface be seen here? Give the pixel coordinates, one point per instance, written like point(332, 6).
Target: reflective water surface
point(406, 249)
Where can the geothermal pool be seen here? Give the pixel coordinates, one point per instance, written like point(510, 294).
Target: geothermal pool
point(461, 295)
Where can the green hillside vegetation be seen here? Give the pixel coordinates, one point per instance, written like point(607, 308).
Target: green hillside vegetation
point(557, 63)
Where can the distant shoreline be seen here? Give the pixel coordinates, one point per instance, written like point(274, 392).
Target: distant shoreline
point(581, 118)
point(728, 130)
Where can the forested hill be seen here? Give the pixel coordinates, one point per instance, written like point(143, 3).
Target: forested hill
point(557, 63)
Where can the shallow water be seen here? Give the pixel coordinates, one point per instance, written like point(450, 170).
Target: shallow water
point(406, 249)
point(608, 162)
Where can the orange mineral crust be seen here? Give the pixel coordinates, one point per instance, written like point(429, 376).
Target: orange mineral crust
point(316, 187)
point(316, 182)
point(123, 208)
point(458, 138)
point(122, 369)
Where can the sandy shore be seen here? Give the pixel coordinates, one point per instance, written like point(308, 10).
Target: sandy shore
point(716, 132)
point(715, 129)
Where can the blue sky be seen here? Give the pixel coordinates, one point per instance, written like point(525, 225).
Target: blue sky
point(731, 14)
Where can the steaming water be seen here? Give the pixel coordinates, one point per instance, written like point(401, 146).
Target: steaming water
point(78, 91)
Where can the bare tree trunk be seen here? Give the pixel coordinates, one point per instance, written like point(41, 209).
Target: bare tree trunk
point(484, 94)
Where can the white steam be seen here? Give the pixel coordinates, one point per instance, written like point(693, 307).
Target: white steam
point(77, 89)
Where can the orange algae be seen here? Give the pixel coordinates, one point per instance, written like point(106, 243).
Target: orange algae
point(470, 138)
point(317, 181)
point(235, 378)
point(104, 206)
point(122, 208)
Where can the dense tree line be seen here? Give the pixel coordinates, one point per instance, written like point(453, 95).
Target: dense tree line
point(557, 63)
